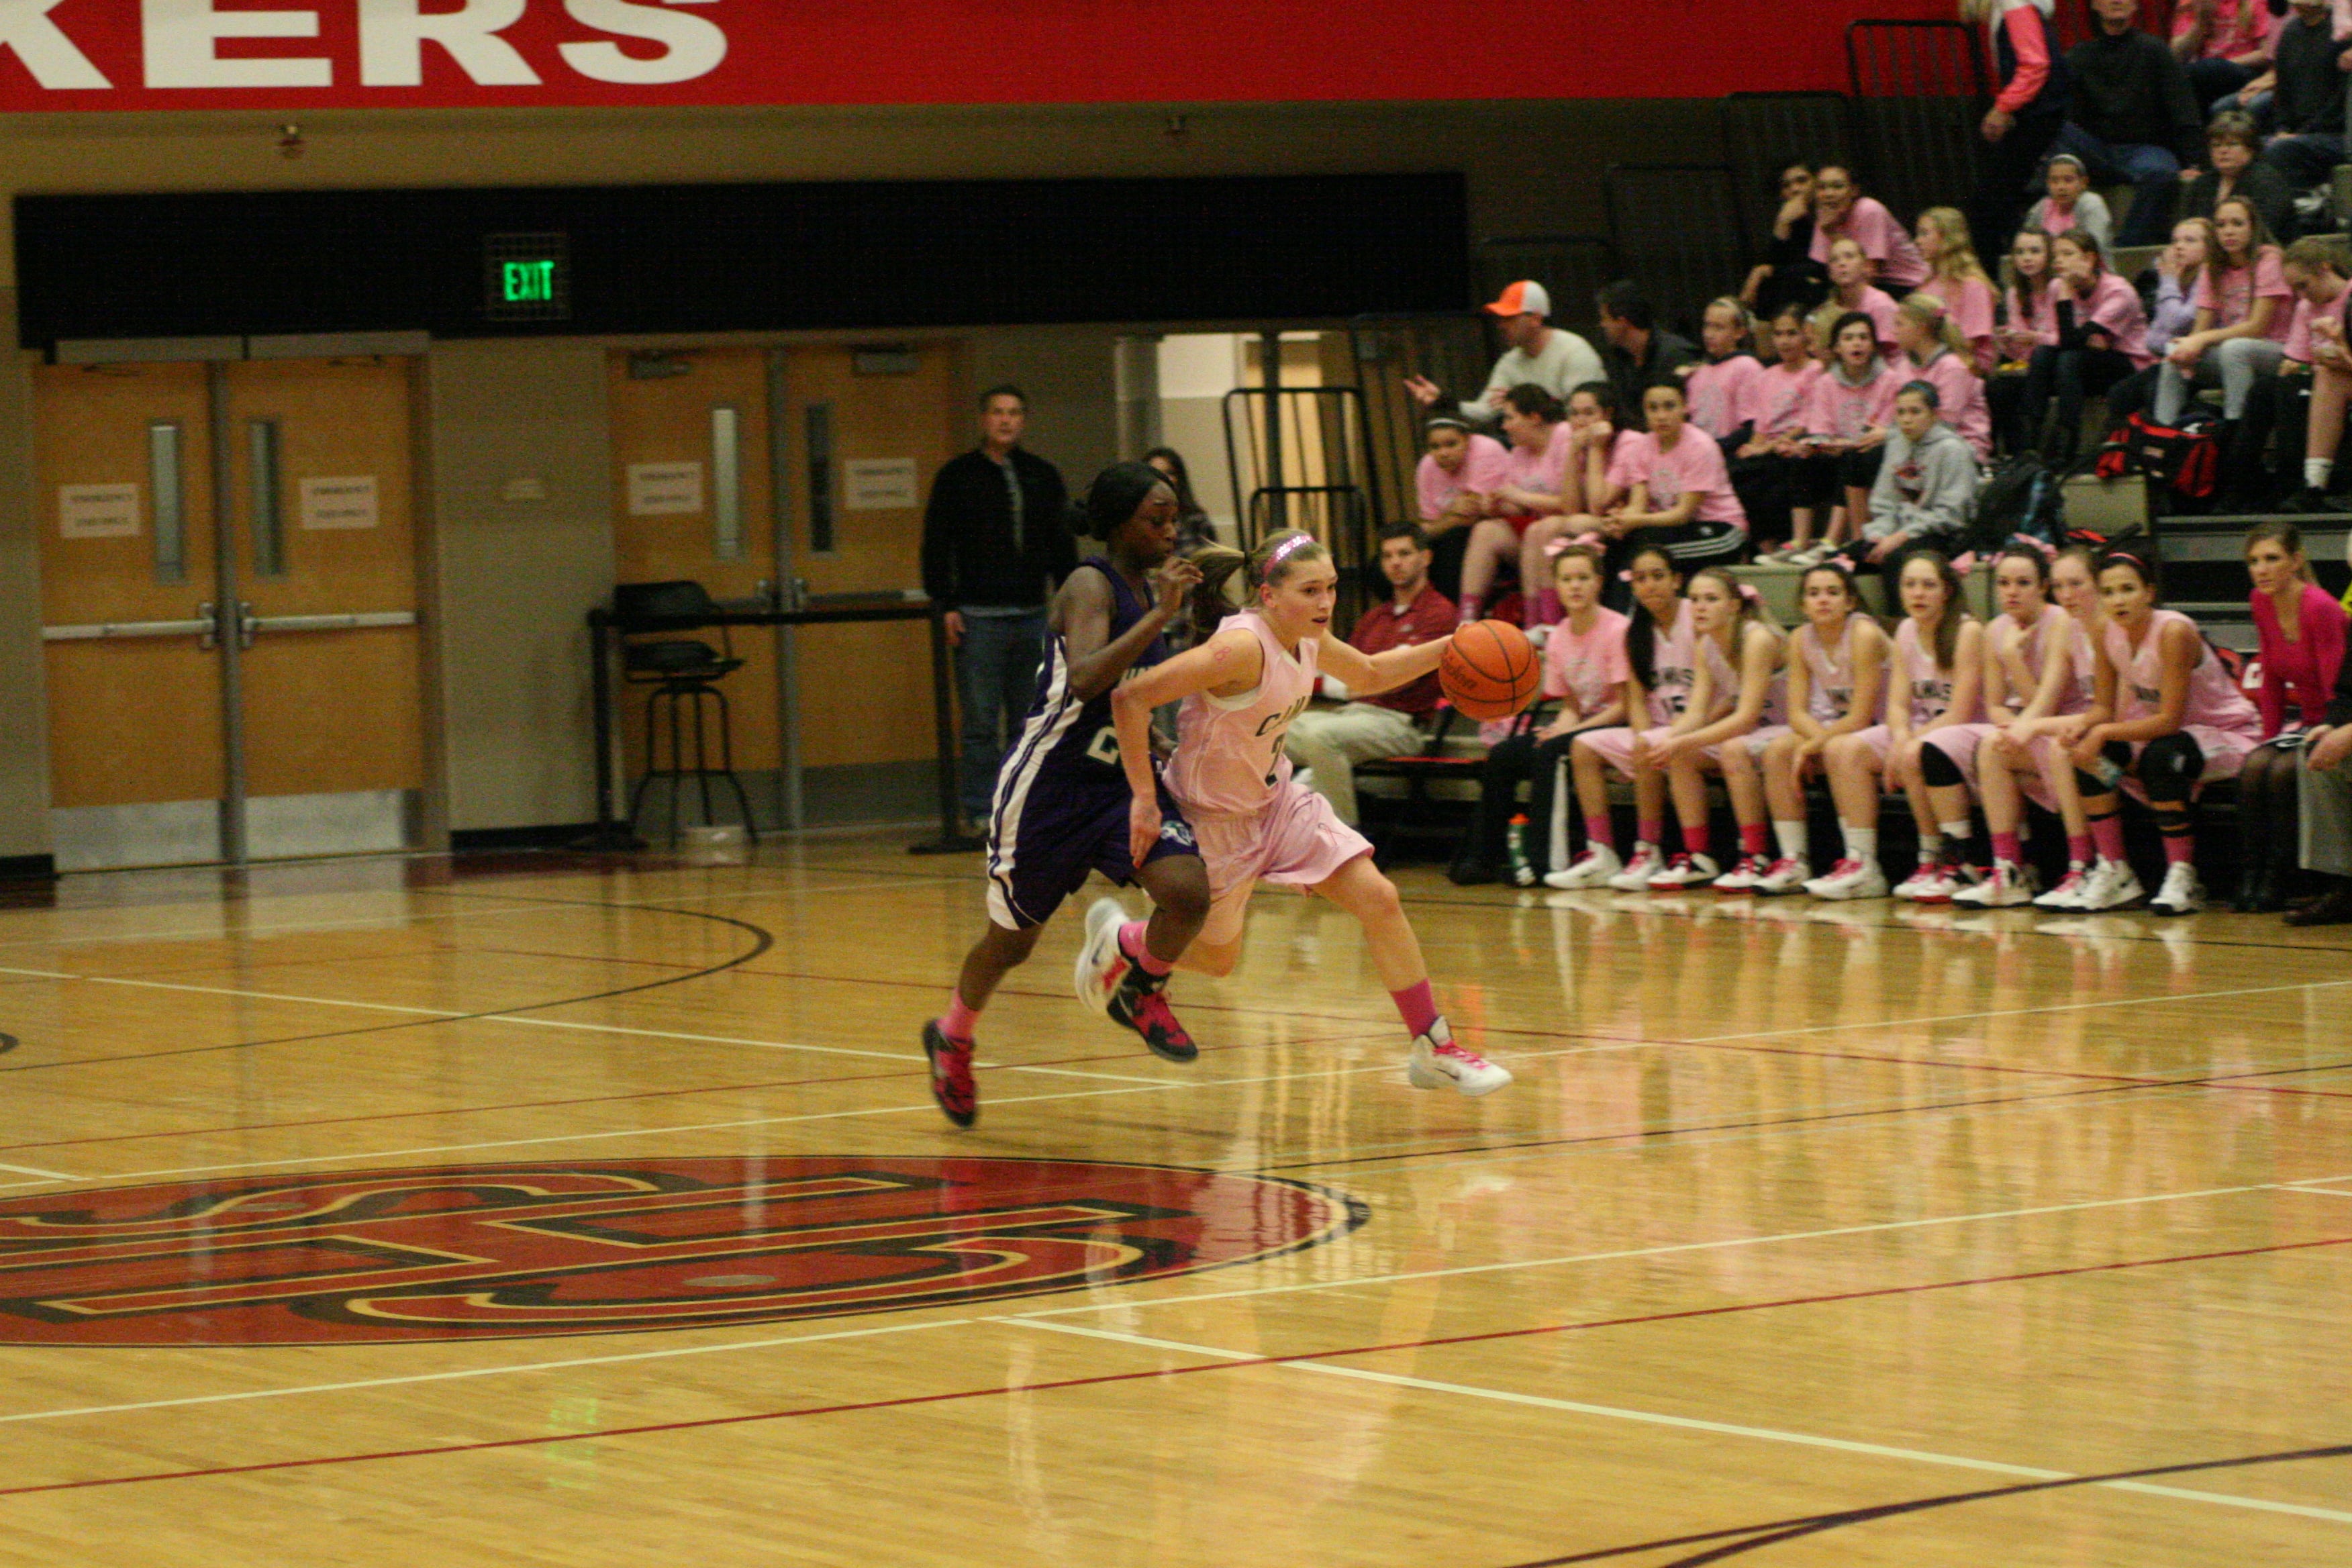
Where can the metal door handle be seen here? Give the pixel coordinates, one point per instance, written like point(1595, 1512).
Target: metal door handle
point(205, 628)
point(353, 621)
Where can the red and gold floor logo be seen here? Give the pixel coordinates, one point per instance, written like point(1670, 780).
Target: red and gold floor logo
point(613, 1246)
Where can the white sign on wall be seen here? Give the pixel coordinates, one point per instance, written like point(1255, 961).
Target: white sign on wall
point(98, 511)
point(339, 503)
point(665, 489)
point(879, 484)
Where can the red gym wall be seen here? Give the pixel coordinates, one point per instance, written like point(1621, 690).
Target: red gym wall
point(311, 54)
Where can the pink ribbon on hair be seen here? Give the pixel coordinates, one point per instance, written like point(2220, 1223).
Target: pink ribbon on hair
point(1964, 566)
point(1558, 547)
point(1625, 576)
point(1748, 592)
point(2042, 547)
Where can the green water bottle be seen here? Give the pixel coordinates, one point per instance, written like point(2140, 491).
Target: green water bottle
point(1523, 874)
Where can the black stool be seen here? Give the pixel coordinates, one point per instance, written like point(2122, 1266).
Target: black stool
point(684, 674)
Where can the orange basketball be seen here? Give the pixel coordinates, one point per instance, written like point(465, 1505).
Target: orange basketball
point(1489, 670)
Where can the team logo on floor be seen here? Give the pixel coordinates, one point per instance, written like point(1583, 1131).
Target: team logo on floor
point(615, 1246)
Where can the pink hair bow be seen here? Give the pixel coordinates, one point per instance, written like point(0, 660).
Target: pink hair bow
point(1748, 592)
point(2042, 547)
point(1558, 547)
point(1625, 576)
point(1964, 565)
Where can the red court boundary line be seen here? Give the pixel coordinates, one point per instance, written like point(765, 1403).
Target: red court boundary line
point(1099, 1379)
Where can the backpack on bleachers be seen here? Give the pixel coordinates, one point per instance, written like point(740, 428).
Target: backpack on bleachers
point(2021, 497)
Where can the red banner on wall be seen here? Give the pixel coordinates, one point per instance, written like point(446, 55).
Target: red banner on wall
point(408, 54)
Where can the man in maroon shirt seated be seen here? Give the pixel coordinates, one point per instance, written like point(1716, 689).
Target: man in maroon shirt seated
point(1331, 741)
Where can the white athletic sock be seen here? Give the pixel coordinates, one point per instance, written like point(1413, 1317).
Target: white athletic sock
point(2317, 471)
point(1860, 843)
point(1931, 848)
point(1791, 836)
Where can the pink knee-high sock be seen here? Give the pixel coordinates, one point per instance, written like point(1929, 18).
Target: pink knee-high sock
point(960, 1020)
point(2079, 848)
point(1130, 942)
point(2179, 848)
point(1652, 832)
point(1695, 839)
point(2005, 846)
point(1598, 832)
point(1755, 837)
point(2108, 833)
point(1416, 1007)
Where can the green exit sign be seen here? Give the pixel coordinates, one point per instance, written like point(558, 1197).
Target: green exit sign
point(527, 278)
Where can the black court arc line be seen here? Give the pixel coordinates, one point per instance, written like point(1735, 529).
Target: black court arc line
point(1773, 1532)
point(762, 941)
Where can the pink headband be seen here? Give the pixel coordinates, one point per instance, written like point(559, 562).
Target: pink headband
point(1284, 551)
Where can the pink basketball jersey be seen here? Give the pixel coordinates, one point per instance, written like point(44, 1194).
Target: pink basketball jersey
point(1830, 691)
point(2215, 702)
point(2020, 650)
point(1912, 677)
point(1674, 665)
point(1229, 754)
point(1726, 677)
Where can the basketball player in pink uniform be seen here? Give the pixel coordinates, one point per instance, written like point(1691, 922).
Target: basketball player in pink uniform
point(1837, 661)
point(2167, 718)
point(1661, 653)
point(1241, 688)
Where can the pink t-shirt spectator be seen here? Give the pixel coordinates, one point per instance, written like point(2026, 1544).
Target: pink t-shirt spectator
point(1695, 464)
point(1879, 306)
point(2298, 331)
point(1588, 666)
point(2238, 27)
point(1883, 240)
point(2302, 672)
point(2114, 306)
point(1961, 400)
point(1967, 302)
point(1718, 393)
point(1776, 398)
point(1544, 472)
point(1846, 410)
point(2230, 292)
point(2041, 315)
point(1485, 469)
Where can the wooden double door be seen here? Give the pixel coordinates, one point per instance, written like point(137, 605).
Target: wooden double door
point(745, 468)
point(230, 592)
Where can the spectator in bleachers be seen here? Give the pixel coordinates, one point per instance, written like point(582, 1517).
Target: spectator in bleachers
point(1332, 740)
point(1926, 490)
point(1787, 274)
point(1540, 354)
point(2173, 317)
point(1955, 276)
point(2102, 338)
point(1677, 489)
point(1841, 211)
point(2302, 630)
point(2244, 308)
point(1765, 469)
point(1930, 340)
point(2070, 203)
point(1534, 479)
point(2231, 148)
point(2030, 105)
point(1641, 353)
point(2316, 269)
point(1847, 422)
point(1193, 528)
point(1459, 469)
point(1716, 386)
point(2131, 117)
point(2031, 322)
point(2327, 802)
point(1851, 289)
point(1585, 671)
point(2224, 44)
point(2307, 100)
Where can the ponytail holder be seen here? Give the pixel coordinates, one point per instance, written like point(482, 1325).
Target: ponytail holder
point(2042, 547)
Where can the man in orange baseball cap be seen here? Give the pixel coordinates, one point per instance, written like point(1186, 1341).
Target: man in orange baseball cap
point(1552, 357)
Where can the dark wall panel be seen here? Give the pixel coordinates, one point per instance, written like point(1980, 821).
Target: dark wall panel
point(674, 258)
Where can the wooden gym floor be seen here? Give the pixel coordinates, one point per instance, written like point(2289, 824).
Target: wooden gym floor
point(539, 1210)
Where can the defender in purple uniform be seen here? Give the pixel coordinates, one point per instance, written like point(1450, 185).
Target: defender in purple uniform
point(1061, 805)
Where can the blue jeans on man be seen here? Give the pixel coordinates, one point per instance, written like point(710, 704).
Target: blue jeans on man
point(996, 670)
point(2153, 172)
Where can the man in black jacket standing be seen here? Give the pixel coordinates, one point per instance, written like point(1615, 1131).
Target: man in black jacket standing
point(995, 542)
point(2132, 117)
point(2307, 104)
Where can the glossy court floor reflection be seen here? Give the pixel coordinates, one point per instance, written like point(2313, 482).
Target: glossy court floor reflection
point(538, 1210)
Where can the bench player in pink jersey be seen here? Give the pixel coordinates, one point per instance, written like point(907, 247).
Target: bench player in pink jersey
point(1241, 688)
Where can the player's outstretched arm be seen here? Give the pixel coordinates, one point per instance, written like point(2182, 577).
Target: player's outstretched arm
point(1367, 674)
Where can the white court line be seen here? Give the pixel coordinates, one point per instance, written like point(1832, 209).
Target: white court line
point(37, 1171)
point(1691, 1424)
point(507, 1370)
point(1665, 1250)
point(2013, 1012)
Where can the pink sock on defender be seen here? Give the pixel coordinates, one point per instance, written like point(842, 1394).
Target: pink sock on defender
point(1653, 832)
point(2079, 848)
point(1599, 833)
point(1694, 840)
point(960, 1020)
point(2108, 833)
point(2005, 846)
point(1755, 839)
point(1130, 942)
point(1416, 1006)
